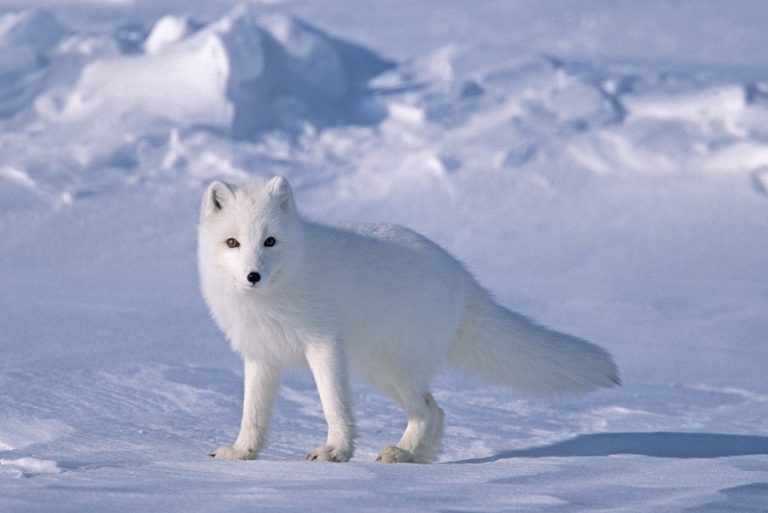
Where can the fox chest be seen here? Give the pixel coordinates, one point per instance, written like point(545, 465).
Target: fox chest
point(258, 333)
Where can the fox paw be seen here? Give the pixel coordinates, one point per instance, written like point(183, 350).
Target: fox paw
point(329, 453)
point(394, 454)
point(226, 452)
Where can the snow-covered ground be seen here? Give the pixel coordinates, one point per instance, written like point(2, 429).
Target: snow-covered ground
point(601, 166)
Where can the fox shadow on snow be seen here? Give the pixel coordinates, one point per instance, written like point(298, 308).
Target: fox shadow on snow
point(659, 445)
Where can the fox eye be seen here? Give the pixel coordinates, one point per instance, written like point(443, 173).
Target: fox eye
point(269, 242)
point(232, 243)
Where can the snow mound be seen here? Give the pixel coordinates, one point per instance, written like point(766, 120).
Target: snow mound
point(245, 73)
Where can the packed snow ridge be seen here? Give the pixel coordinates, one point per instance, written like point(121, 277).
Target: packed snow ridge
point(247, 72)
point(81, 112)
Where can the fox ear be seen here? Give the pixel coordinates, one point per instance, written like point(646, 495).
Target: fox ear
point(280, 191)
point(218, 195)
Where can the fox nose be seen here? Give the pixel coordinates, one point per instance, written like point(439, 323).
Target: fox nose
point(254, 278)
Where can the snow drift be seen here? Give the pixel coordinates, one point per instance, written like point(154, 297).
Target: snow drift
point(245, 73)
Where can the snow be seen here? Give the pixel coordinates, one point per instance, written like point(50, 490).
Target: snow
point(600, 166)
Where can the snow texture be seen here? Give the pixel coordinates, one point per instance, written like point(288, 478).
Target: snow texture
point(600, 166)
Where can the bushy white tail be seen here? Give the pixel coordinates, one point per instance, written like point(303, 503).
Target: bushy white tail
point(508, 349)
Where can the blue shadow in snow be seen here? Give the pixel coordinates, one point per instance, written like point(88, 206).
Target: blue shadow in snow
point(745, 498)
point(658, 445)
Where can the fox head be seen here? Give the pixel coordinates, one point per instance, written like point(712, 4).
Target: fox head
point(246, 233)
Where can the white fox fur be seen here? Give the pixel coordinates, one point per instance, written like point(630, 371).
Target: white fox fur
point(376, 301)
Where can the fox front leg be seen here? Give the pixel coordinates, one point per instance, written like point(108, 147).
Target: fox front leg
point(327, 362)
point(261, 384)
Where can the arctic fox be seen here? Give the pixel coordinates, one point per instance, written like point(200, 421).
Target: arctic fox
point(376, 301)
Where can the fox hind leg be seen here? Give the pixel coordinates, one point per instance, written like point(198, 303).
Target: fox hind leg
point(420, 442)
